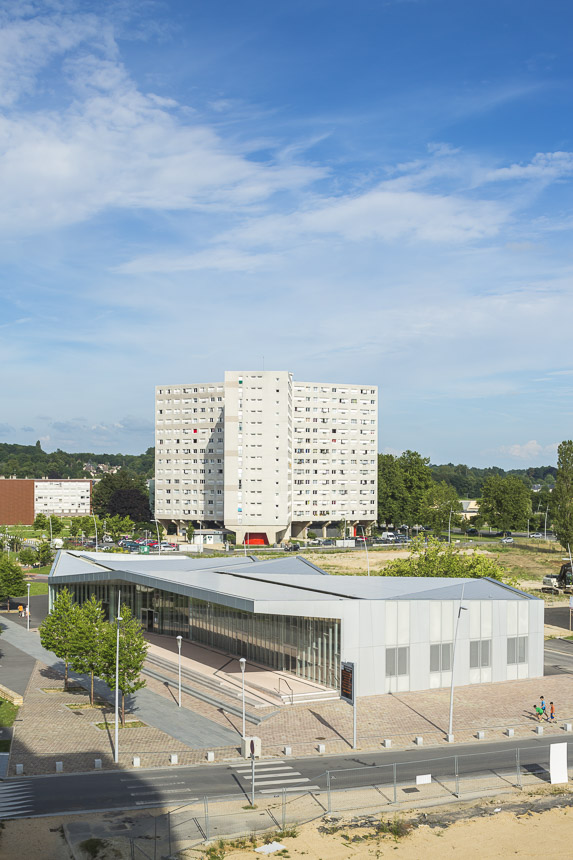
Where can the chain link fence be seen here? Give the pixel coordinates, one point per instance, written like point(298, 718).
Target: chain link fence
point(359, 790)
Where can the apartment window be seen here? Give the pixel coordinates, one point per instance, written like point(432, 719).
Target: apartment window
point(517, 649)
point(480, 654)
point(397, 661)
point(441, 657)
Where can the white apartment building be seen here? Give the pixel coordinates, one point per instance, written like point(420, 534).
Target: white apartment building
point(266, 456)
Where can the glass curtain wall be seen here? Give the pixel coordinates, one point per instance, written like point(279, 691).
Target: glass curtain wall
point(307, 647)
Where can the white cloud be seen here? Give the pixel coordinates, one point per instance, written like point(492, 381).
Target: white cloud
point(529, 451)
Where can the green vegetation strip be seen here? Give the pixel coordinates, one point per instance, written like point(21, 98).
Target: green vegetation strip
point(129, 724)
point(8, 713)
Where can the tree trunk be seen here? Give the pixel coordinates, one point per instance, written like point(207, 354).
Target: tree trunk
point(123, 709)
point(92, 688)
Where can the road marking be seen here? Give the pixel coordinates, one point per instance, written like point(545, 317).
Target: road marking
point(143, 782)
point(259, 776)
point(155, 778)
point(278, 792)
point(266, 770)
point(261, 764)
point(160, 791)
point(16, 800)
point(280, 781)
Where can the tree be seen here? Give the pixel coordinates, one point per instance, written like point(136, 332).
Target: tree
point(41, 523)
point(12, 583)
point(57, 524)
point(393, 501)
point(433, 558)
point(562, 496)
point(28, 556)
point(417, 477)
point(87, 640)
point(57, 630)
point(438, 503)
point(75, 526)
point(45, 554)
point(505, 503)
point(15, 543)
point(122, 493)
point(190, 532)
point(132, 653)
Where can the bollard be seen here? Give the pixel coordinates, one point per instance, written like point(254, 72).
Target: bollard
point(210, 756)
point(287, 750)
point(136, 761)
point(538, 730)
point(449, 739)
point(97, 763)
point(59, 767)
point(321, 748)
point(480, 736)
point(387, 742)
point(419, 741)
point(19, 769)
point(173, 758)
point(567, 727)
point(510, 733)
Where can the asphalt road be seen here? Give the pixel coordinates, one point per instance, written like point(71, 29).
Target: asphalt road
point(558, 656)
point(122, 790)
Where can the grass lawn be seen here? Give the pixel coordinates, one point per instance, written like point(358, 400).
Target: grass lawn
point(37, 588)
point(8, 713)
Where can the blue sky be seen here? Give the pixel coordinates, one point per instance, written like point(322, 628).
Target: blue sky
point(361, 191)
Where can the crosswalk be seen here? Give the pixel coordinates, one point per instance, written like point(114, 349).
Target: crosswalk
point(164, 787)
point(16, 799)
point(272, 777)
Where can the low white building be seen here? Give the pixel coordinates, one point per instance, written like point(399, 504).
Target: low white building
point(289, 615)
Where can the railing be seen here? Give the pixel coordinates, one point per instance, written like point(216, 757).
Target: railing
point(289, 686)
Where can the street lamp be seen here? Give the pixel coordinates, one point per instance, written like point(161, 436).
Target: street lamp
point(28, 609)
point(366, 548)
point(450, 525)
point(118, 619)
point(158, 538)
point(179, 640)
point(243, 663)
point(546, 512)
point(51, 536)
point(460, 610)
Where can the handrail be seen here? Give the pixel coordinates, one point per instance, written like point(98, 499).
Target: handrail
point(289, 686)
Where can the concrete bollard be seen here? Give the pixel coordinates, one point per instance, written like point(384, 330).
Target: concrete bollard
point(136, 761)
point(567, 727)
point(480, 736)
point(510, 733)
point(97, 763)
point(538, 730)
point(449, 739)
point(287, 750)
point(321, 748)
point(210, 756)
point(59, 767)
point(173, 758)
point(19, 769)
point(419, 740)
point(387, 742)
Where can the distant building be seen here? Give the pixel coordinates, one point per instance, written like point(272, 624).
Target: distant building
point(470, 508)
point(21, 499)
point(265, 456)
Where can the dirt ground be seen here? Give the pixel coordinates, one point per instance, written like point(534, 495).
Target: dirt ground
point(524, 825)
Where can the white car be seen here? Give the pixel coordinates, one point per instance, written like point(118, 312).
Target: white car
point(507, 540)
point(536, 535)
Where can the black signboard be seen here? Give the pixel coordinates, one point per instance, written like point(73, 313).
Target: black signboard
point(347, 691)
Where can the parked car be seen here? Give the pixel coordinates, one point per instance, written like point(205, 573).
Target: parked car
point(328, 542)
point(506, 540)
point(472, 531)
point(536, 535)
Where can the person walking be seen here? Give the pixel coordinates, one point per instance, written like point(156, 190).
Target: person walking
point(539, 711)
point(551, 712)
point(543, 707)
point(21, 611)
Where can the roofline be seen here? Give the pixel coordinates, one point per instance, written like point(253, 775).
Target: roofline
point(511, 588)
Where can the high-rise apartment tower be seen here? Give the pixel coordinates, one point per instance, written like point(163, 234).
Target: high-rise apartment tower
point(266, 456)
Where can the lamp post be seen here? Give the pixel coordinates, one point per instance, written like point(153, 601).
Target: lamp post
point(28, 609)
point(51, 536)
point(118, 619)
point(546, 512)
point(95, 527)
point(366, 548)
point(179, 640)
point(243, 663)
point(158, 538)
point(450, 525)
point(460, 610)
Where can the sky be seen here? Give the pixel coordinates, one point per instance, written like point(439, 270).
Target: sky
point(367, 191)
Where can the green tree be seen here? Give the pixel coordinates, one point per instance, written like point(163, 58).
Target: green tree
point(41, 523)
point(418, 480)
point(132, 652)
point(57, 525)
point(87, 640)
point(562, 496)
point(75, 526)
point(12, 583)
point(57, 630)
point(393, 499)
point(114, 527)
point(15, 543)
point(190, 532)
point(439, 500)
point(28, 556)
point(122, 493)
point(505, 503)
point(45, 554)
point(433, 558)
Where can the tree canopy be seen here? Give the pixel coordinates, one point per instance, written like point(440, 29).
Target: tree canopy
point(562, 496)
point(12, 582)
point(30, 461)
point(123, 494)
point(432, 558)
point(505, 503)
point(57, 630)
point(132, 652)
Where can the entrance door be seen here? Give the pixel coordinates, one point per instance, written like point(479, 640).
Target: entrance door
point(147, 620)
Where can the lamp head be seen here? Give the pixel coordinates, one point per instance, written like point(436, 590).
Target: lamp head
point(243, 662)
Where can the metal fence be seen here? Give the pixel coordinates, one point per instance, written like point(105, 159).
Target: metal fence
point(365, 790)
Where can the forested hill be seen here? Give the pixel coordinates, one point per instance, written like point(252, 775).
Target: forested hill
point(29, 461)
point(469, 480)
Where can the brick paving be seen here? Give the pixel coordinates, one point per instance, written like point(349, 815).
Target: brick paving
point(47, 731)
